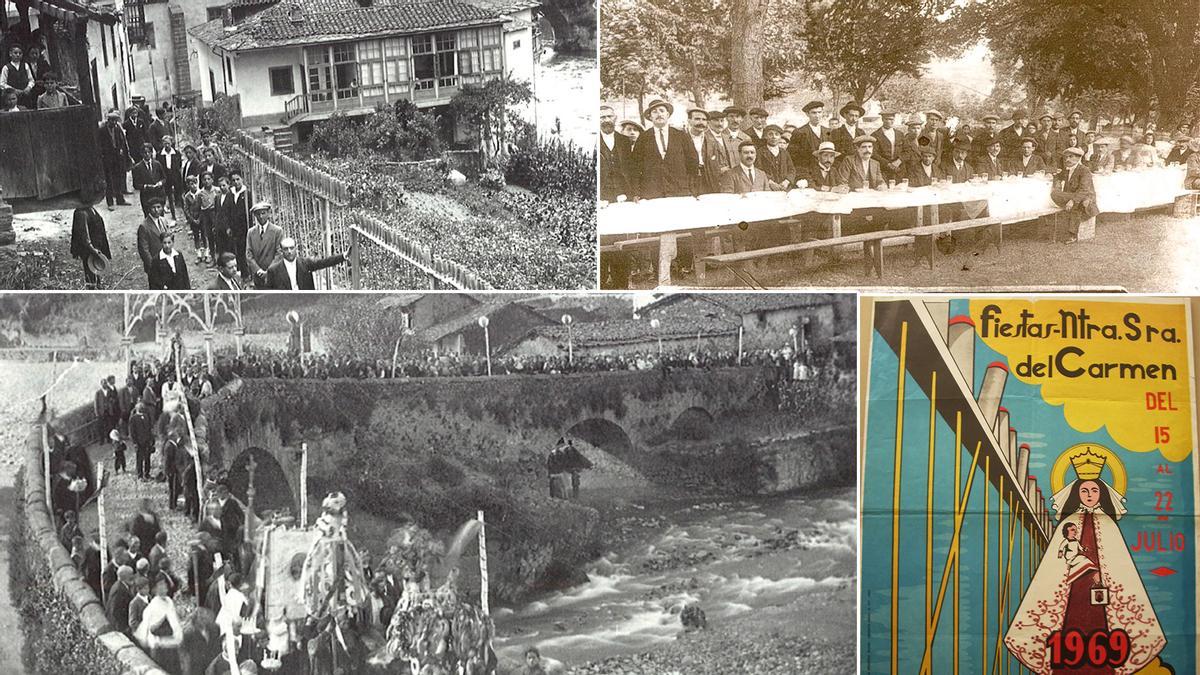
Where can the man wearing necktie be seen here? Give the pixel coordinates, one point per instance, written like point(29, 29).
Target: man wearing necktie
point(149, 238)
point(228, 278)
point(1075, 192)
point(149, 178)
point(663, 159)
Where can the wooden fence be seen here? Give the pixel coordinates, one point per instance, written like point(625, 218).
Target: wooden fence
point(418, 264)
point(47, 153)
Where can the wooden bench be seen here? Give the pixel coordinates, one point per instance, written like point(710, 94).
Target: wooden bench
point(871, 242)
point(1186, 205)
point(654, 244)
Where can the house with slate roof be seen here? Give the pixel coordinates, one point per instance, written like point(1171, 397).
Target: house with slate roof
point(296, 62)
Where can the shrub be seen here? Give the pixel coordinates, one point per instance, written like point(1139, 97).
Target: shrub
point(401, 132)
point(551, 166)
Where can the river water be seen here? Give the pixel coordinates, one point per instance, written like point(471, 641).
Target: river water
point(730, 557)
point(566, 90)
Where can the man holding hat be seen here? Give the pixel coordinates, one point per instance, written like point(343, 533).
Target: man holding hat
point(733, 134)
point(860, 171)
point(1074, 191)
point(758, 122)
point(746, 177)
point(149, 238)
point(776, 163)
point(89, 237)
point(263, 244)
point(615, 153)
point(1028, 162)
point(844, 136)
point(956, 168)
point(710, 155)
point(923, 172)
point(820, 174)
point(807, 139)
point(1012, 135)
point(663, 159)
point(889, 147)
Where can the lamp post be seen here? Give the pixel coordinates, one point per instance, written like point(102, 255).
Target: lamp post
point(655, 323)
point(795, 348)
point(487, 343)
point(566, 321)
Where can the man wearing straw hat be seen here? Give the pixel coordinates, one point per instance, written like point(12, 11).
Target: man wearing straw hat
point(262, 244)
point(820, 172)
point(663, 158)
point(89, 237)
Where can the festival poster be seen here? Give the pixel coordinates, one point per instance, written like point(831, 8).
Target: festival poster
point(1028, 486)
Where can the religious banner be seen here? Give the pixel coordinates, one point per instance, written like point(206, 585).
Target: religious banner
point(1028, 486)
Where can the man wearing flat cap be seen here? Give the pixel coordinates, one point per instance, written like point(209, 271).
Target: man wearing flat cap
point(616, 151)
point(983, 141)
point(860, 170)
point(924, 171)
point(631, 130)
point(746, 177)
point(1012, 134)
point(263, 244)
point(717, 130)
point(776, 162)
point(820, 174)
point(910, 147)
point(1028, 162)
point(806, 139)
point(149, 239)
point(1074, 191)
point(843, 137)
point(114, 156)
point(889, 147)
point(733, 135)
point(1049, 141)
point(938, 137)
point(754, 130)
point(710, 154)
point(956, 167)
point(663, 158)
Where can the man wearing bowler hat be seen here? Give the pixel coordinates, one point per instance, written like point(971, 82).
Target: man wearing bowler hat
point(663, 158)
point(982, 141)
point(1074, 191)
point(860, 171)
point(990, 163)
point(923, 172)
point(956, 167)
point(843, 137)
point(806, 139)
point(889, 147)
point(1028, 161)
point(733, 135)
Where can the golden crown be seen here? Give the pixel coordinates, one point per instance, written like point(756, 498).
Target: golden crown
point(1088, 464)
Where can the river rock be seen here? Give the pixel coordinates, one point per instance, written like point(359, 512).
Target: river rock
point(693, 618)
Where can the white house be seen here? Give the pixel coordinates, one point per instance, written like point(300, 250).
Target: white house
point(161, 65)
point(300, 61)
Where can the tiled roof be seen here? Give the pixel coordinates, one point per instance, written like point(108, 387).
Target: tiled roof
point(742, 303)
point(301, 22)
point(630, 331)
point(470, 316)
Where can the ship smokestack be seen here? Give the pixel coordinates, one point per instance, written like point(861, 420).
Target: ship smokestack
point(940, 311)
point(991, 391)
point(960, 333)
point(1002, 436)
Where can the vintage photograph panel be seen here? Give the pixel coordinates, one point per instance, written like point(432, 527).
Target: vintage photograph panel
point(430, 483)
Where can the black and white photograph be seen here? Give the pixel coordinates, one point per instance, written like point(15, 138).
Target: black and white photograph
point(511, 484)
point(893, 144)
point(297, 144)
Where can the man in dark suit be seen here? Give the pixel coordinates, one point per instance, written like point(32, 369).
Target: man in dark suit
point(615, 152)
point(663, 158)
point(982, 143)
point(239, 219)
point(149, 178)
point(806, 139)
point(889, 147)
point(1048, 140)
point(1012, 135)
point(1074, 191)
point(755, 131)
point(114, 156)
point(719, 132)
point(710, 154)
point(956, 167)
point(141, 432)
point(232, 518)
point(860, 171)
point(844, 136)
point(149, 238)
point(294, 272)
point(733, 134)
point(117, 600)
point(775, 161)
point(923, 172)
point(172, 164)
point(937, 133)
point(991, 163)
point(746, 177)
point(910, 148)
point(173, 458)
point(264, 239)
point(222, 214)
point(1028, 162)
point(820, 176)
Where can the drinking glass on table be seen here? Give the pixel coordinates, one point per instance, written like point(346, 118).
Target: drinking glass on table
point(904, 184)
point(891, 184)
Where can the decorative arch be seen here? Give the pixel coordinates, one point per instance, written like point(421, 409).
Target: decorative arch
point(201, 310)
point(272, 489)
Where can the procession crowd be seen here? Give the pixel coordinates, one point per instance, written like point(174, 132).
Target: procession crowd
point(207, 199)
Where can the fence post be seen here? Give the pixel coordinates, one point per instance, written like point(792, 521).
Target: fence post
point(328, 241)
point(355, 259)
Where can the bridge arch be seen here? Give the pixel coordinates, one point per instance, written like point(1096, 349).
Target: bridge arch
point(272, 488)
point(604, 434)
point(693, 424)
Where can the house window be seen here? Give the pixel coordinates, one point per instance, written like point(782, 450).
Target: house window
point(104, 46)
point(112, 38)
point(370, 68)
point(320, 74)
point(215, 13)
point(345, 70)
point(395, 60)
point(516, 45)
point(282, 82)
point(148, 41)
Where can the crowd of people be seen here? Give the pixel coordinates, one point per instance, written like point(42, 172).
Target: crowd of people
point(735, 150)
point(207, 200)
point(29, 82)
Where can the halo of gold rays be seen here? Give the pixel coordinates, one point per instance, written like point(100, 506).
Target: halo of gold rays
point(1059, 473)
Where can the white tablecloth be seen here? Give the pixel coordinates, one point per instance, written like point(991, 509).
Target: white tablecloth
point(1008, 199)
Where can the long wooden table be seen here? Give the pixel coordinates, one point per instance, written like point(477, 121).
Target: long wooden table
point(1011, 200)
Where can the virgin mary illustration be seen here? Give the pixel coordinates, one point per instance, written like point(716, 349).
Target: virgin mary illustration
point(1087, 581)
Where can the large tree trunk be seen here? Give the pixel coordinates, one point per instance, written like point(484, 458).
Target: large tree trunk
point(747, 18)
